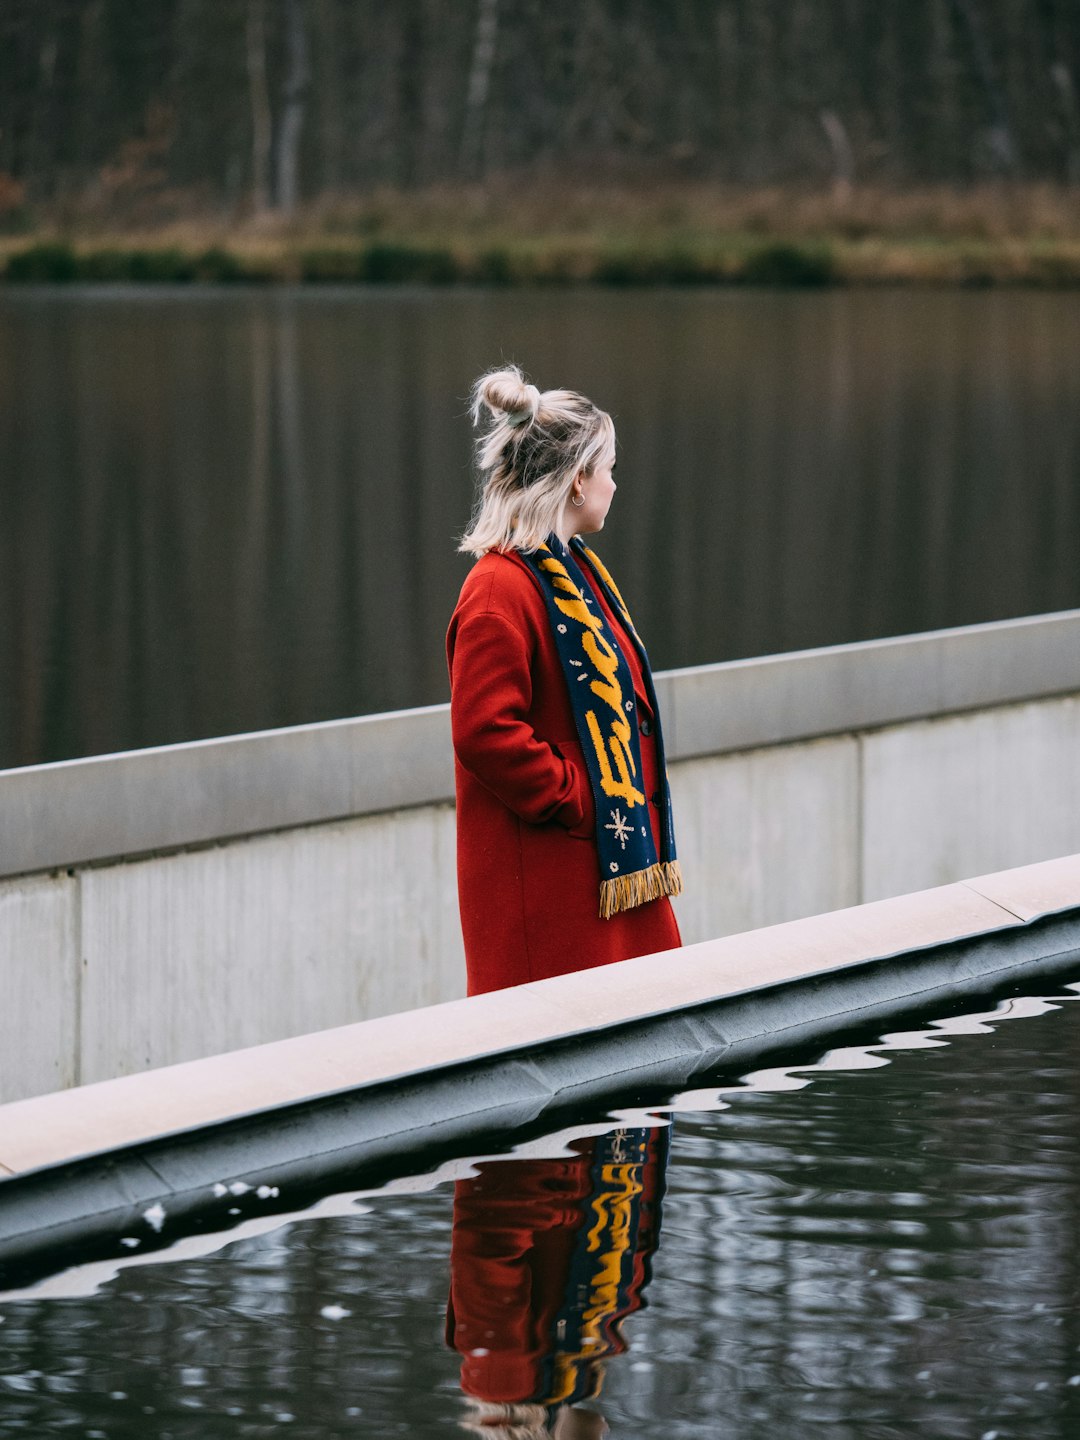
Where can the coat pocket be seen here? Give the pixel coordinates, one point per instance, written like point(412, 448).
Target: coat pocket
point(574, 756)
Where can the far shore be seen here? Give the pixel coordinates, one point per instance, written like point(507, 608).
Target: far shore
point(663, 235)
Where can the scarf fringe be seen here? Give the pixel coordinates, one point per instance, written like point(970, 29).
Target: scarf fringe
point(626, 892)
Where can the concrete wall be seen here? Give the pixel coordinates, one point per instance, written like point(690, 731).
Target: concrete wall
point(174, 903)
point(794, 829)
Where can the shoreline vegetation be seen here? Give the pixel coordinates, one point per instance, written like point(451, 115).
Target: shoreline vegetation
point(663, 234)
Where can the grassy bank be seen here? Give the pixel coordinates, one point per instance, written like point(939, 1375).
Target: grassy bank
point(676, 236)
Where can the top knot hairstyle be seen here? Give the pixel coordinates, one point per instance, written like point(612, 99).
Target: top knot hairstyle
point(532, 446)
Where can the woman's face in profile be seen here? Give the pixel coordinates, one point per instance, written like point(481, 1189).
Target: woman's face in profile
point(598, 491)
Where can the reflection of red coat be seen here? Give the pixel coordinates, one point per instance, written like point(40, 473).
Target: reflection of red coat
point(528, 868)
point(548, 1258)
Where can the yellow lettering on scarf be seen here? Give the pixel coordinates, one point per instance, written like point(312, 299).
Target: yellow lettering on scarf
point(617, 781)
point(614, 752)
point(607, 662)
point(610, 1238)
point(576, 609)
point(566, 1377)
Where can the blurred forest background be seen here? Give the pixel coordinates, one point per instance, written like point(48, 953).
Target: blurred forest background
point(931, 115)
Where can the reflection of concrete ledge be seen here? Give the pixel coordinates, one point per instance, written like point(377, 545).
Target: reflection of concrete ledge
point(178, 796)
point(90, 1161)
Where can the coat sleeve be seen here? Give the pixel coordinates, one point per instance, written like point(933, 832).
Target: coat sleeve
point(491, 694)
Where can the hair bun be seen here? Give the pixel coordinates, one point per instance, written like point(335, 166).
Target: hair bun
point(508, 395)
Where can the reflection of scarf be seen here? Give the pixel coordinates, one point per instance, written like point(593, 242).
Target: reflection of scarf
point(602, 699)
point(608, 1269)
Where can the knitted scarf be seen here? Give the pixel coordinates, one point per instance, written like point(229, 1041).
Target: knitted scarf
point(605, 713)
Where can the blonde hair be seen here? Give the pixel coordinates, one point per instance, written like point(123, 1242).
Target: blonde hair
point(498, 1420)
point(527, 457)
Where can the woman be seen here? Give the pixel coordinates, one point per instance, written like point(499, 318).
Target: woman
point(566, 854)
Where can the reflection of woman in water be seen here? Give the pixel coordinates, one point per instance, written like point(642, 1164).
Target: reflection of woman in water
point(548, 1258)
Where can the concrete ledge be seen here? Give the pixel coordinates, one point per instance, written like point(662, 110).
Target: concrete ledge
point(178, 796)
point(88, 1163)
point(841, 688)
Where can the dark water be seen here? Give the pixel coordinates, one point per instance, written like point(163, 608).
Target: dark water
point(883, 1244)
point(231, 511)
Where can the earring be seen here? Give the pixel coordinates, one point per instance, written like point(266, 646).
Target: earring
point(576, 501)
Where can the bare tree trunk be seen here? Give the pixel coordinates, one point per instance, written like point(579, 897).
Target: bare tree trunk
point(842, 155)
point(92, 86)
point(472, 140)
point(260, 107)
point(941, 147)
point(294, 106)
point(726, 22)
point(329, 96)
point(40, 130)
point(999, 136)
point(1067, 91)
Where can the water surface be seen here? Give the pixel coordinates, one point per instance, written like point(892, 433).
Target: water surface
point(230, 511)
point(880, 1245)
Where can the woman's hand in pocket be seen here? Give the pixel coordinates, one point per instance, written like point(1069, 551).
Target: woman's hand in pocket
point(585, 829)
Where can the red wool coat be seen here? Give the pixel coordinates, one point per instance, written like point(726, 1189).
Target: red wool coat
point(528, 866)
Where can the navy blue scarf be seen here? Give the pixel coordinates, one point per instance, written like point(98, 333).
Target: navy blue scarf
point(605, 713)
